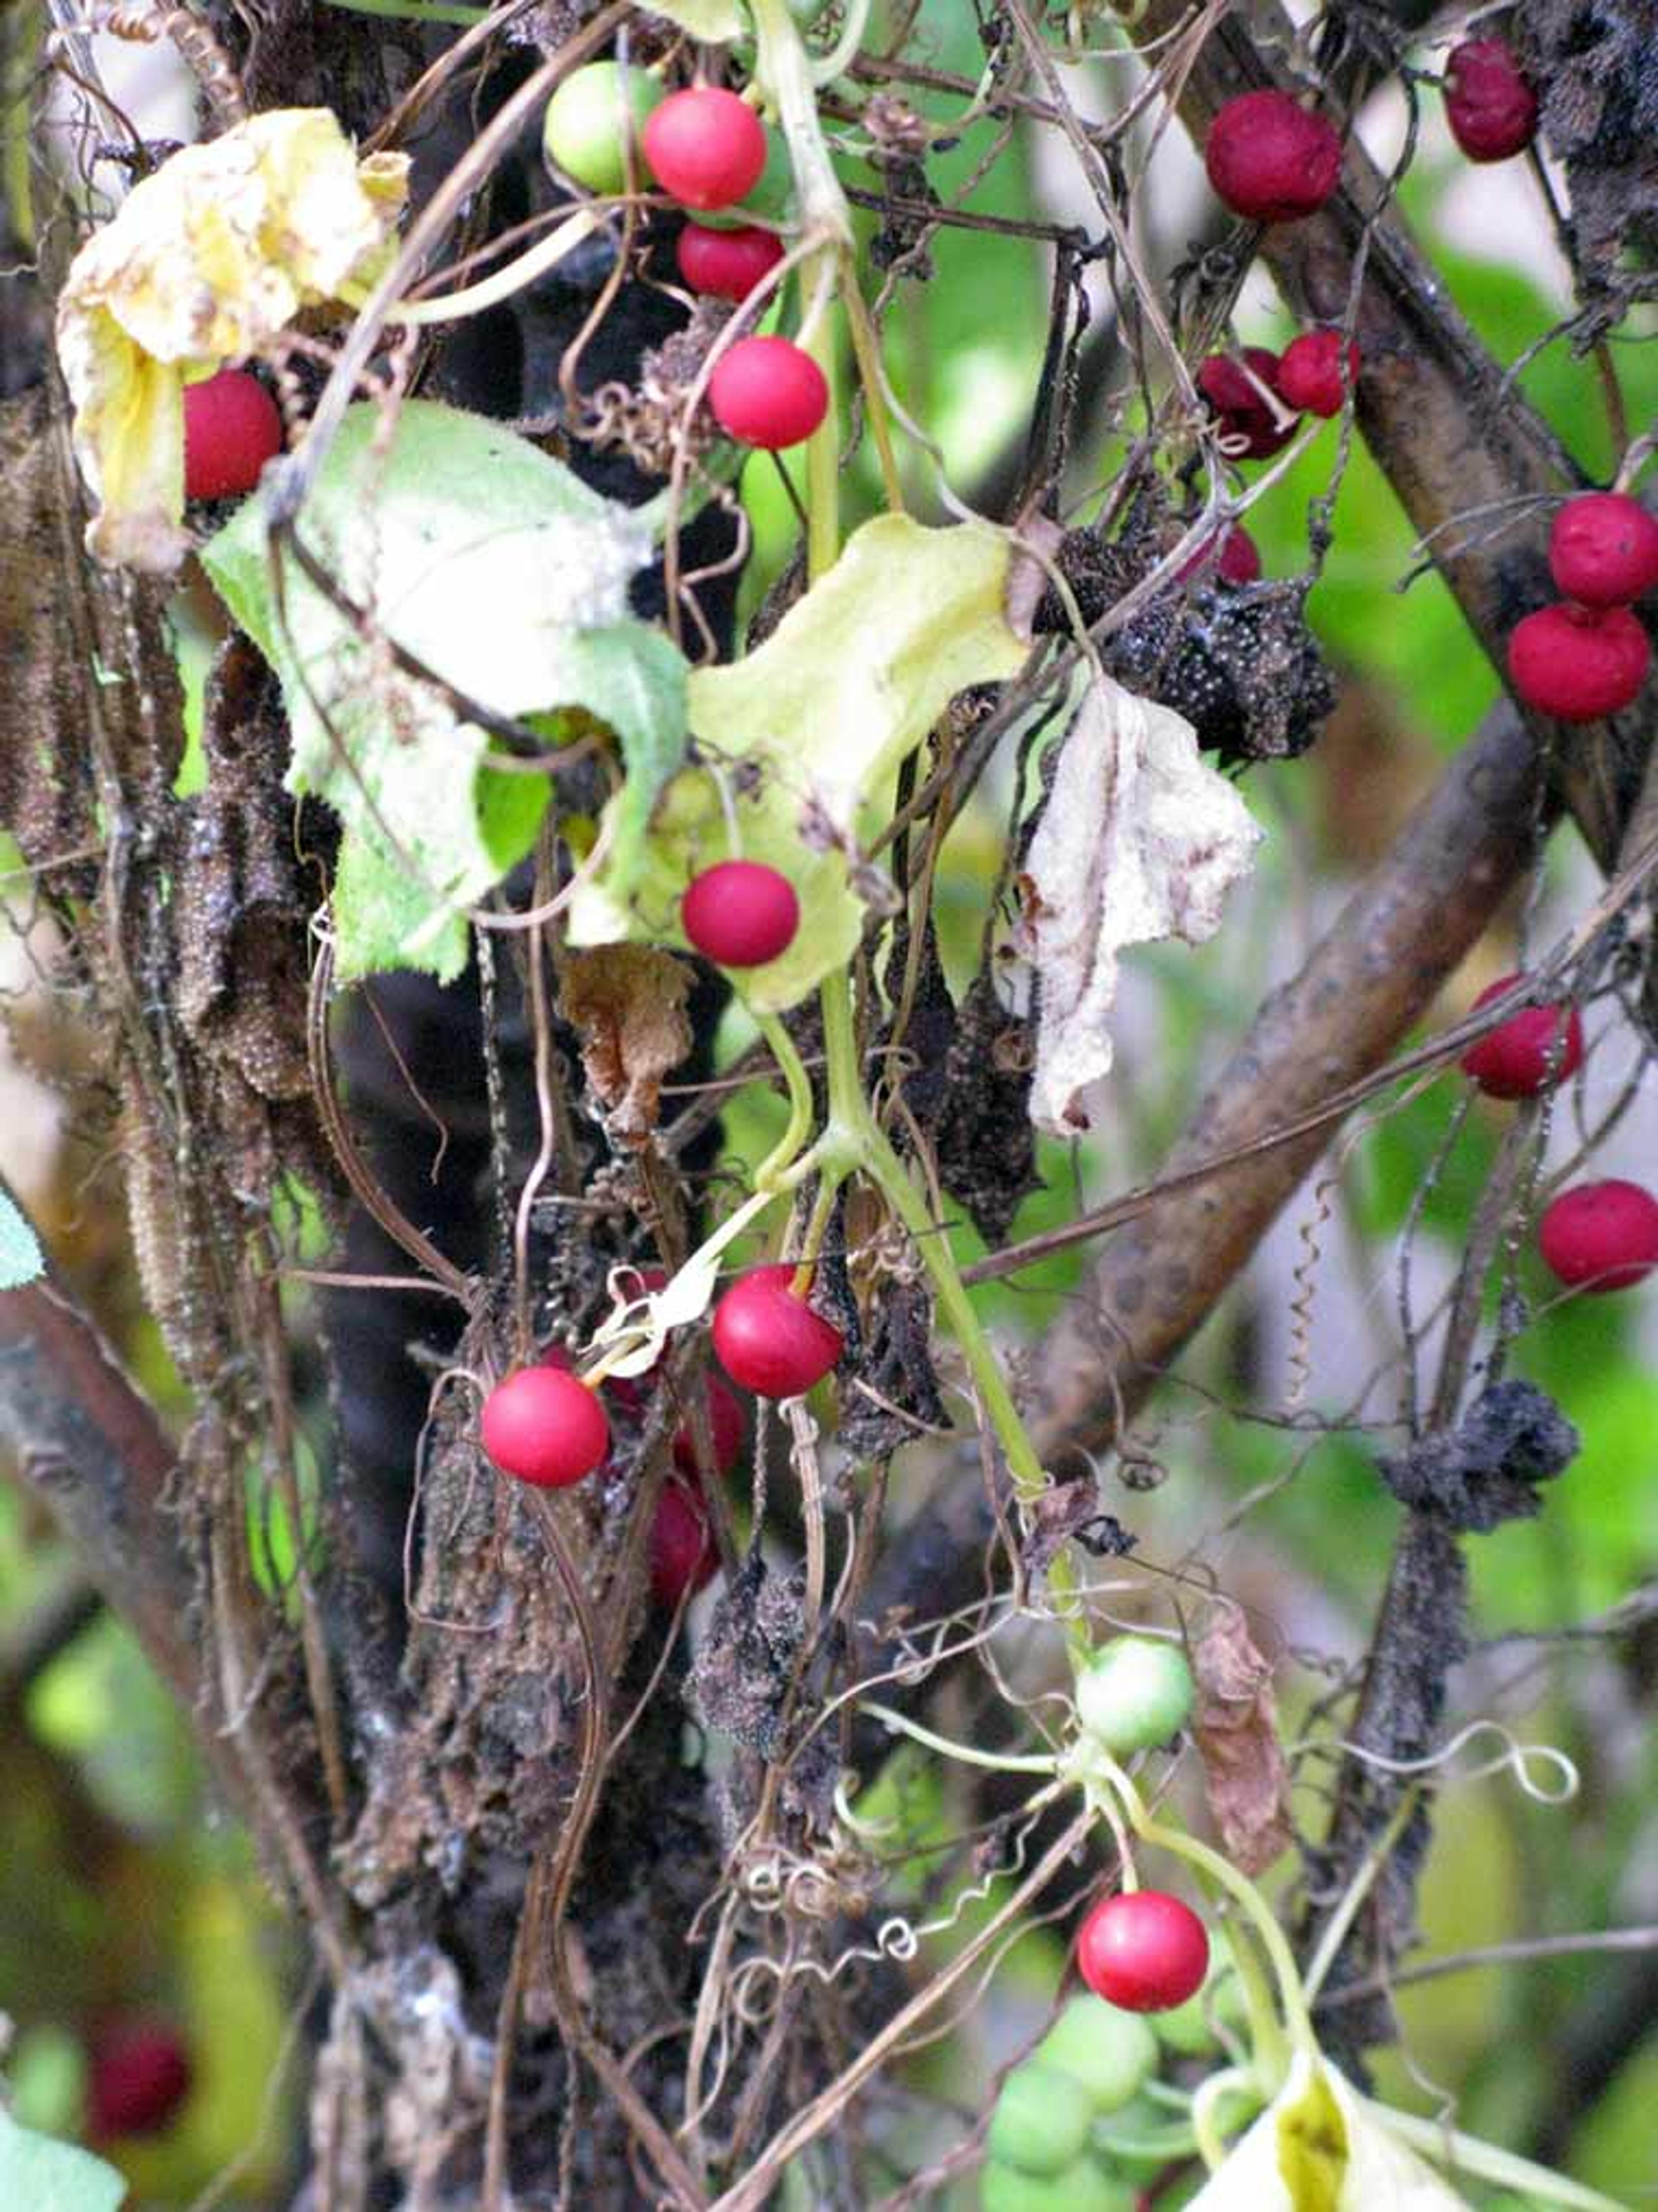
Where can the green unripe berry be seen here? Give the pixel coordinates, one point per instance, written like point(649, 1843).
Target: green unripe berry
point(1041, 2123)
point(1134, 1693)
point(591, 119)
point(1083, 2187)
point(1108, 2053)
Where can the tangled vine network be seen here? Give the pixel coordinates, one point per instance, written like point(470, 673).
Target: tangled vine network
point(639, 643)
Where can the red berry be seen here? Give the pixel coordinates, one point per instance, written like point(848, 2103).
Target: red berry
point(684, 1554)
point(741, 913)
point(1578, 663)
point(1240, 557)
point(1309, 372)
point(725, 1427)
point(1603, 549)
point(1241, 410)
point(545, 1426)
point(767, 392)
point(1142, 1951)
point(232, 428)
point(138, 2073)
point(1490, 108)
point(1600, 1235)
point(705, 147)
point(1533, 1050)
point(727, 263)
point(1270, 159)
point(1238, 563)
point(770, 1341)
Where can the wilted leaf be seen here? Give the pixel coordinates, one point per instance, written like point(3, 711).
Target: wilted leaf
point(1140, 840)
point(1320, 2147)
point(1235, 1722)
point(502, 573)
point(45, 2176)
point(205, 261)
point(19, 1252)
point(809, 729)
point(627, 1003)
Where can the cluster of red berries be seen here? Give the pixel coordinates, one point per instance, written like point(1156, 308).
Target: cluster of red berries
point(1271, 160)
point(1312, 376)
point(1586, 655)
point(708, 150)
point(1597, 1236)
point(549, 1428)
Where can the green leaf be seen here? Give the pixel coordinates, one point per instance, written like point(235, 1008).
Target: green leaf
point(20, 1255)
point(499, 570)
point(53, 2176)
point(817, 718)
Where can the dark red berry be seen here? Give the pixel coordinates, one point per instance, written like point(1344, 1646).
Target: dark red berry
point(705, 147)
point(1600, 1235)
point(769, 1340)
point(725, 1429)
point(1238, 563)
point(1309, 372)
point(768, 393)
point(1142, 1951)
point(1578, 663)
point(1246, 419)
point(683, 1553)
point(1490, 108)
point(741, 913)
point(138, 2073)
point(232, 428)
point(1270, 159)
point(1530, 1052)
point(728, 264)
point(545, 1426)
point(1603, 549)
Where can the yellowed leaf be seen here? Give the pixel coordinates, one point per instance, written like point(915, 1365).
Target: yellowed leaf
point(205, 261)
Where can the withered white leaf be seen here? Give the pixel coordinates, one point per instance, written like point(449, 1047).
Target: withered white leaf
point(1140, 840)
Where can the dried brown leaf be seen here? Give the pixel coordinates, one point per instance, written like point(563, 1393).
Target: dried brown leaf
point(627, 1002)
point(1235, 1722)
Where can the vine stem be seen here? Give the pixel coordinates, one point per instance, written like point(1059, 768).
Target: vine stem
point(786, 1150)
point(854, 1131)
point(1244, 1894)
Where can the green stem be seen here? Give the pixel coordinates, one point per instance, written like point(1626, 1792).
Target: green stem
point(783, 70)
point(416, 11)
point(999, 1762)
point(854, 1127)
point(785, 1150)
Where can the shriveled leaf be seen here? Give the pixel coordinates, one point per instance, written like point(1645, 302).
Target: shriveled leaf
point(46, 2176)
point(20, 1252)
point(1235, 1724)
point(207, 261)
point(1140, 840)
point(809, 729)
point(644, 1324)
point(499, 570)
point(627, 1002)
point(1320, 2147)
